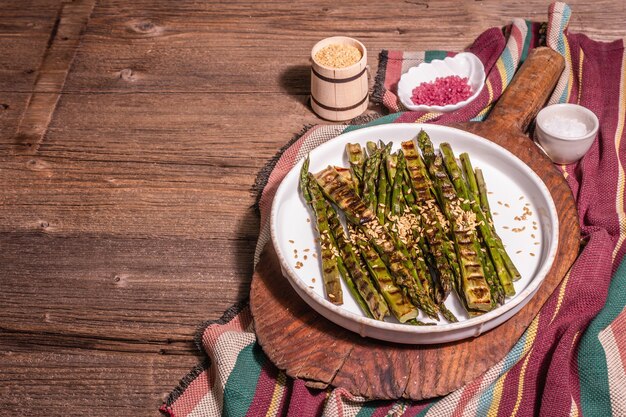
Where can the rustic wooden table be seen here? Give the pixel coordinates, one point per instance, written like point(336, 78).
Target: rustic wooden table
point(130, 137)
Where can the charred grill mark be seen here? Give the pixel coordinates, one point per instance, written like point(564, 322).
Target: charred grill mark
point(421, 183)
point(343, 194)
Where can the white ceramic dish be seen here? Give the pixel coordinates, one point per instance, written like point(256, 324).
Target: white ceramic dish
point(464, 64)
point(512, 184)
point(560, 147)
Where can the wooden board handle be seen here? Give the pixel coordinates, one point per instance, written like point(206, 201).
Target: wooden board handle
point(529, 90)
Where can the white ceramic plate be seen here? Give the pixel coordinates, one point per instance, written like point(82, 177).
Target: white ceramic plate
point(464, 65)
point(514, 187)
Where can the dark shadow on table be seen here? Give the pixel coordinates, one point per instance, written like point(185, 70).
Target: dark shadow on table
point(296, 81)
point(248, 232)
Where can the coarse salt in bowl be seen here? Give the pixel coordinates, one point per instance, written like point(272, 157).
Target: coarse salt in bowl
point(463, 65)
point(566, 131)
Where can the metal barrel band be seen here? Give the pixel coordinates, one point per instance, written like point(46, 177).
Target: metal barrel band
point(338, 80)
point(325, 107)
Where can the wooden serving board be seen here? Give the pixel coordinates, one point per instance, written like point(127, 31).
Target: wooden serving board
point(310, 347)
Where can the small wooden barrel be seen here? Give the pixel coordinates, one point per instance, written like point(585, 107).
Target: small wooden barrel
point(339, 93)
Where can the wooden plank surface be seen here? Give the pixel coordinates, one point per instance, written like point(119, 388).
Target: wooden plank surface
point(131, 223)
point(25, 29)
point(65, 36)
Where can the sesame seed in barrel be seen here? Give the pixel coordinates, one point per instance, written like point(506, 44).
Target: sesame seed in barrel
point(338, 55)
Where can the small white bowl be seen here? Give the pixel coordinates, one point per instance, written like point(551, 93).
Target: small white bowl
point(464, 65)
point(557, 131)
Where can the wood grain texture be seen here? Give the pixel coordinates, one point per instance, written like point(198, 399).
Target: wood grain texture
point(25, 29)
point(135, 46)
point(529, 90)
point(64, 39)
point(308, 346)
point(48, 381)
point(144, 173)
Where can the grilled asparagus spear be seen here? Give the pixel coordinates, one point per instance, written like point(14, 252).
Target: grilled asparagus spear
point(434, 223)
point(468, 172)
point(491, 272)
point(396, 299)
point(304, 180)
point(484, 205)
point(356, 157)
point(427, 148)
point(468, 203)
point(372, 148)
point(366, 293)
point(383, 185)
point(482, 193)
point(472, 283)
point(343, 194)
point(330, 270)
point(391, 164)
point(390, 167)
point(370, 177)
point(353, 289)
point(497, 291)
point(397, 198)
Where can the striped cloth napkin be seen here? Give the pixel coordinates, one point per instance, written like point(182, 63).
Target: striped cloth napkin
point(572, 358)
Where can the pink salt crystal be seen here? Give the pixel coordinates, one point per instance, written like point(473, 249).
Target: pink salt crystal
point(441, 92)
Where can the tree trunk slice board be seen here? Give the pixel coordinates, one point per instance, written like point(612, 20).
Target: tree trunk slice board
point(309, 347)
